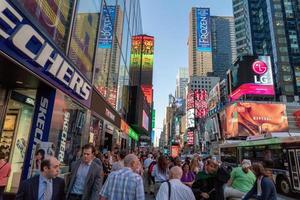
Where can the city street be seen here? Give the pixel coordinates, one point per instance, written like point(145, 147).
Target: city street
point(280, 197)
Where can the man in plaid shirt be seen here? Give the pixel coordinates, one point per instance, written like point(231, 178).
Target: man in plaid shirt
point(124, 184)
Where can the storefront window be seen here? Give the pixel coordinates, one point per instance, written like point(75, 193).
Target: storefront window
point(84, 35)
point(67, 131)
point(54, 16)
point(15, 134)
point(95, 134)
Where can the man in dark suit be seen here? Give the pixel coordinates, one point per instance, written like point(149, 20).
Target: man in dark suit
point(46, 186)
point(85, 182)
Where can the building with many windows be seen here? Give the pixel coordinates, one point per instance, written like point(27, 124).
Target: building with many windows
point(223, 44)
point(51, 96)
point(181, 83)
point(272, 28)
point(199, 42)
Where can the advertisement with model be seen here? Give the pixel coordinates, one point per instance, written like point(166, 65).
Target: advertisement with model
point(251, 75)
point(244, 119)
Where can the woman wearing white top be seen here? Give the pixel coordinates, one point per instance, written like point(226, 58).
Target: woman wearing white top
point(160, 172)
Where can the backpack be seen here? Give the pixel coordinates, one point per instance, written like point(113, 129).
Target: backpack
point(151, 167)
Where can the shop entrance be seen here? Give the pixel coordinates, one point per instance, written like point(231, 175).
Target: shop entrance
point(15, 132)
point(108, 141)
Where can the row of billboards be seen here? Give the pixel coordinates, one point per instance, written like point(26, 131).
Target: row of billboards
point(243, 119)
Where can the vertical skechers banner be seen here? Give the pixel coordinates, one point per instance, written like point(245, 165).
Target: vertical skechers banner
point(107, 27)
point(40, 126)
point(203, 29)
point(21, 40)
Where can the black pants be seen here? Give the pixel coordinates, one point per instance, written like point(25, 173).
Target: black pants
point(1, 192)
point(73, 197)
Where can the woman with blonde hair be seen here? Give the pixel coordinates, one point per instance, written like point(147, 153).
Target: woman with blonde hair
point(195, 166)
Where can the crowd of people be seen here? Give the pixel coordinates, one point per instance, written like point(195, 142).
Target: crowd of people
point(119, 175)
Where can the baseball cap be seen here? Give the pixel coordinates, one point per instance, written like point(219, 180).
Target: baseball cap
point(246, 163)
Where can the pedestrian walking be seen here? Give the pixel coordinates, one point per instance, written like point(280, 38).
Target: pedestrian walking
point(147, 178)
point(160, 172)
point(5, 169)
point(120, 163)
point(46, 186)
point(174, 189)
point(264, 188)
point(124, 184)
point(85, 181)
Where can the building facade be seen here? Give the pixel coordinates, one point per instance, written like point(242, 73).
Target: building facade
point(199, 42)
point(271, 28)
point(223, 44)
point(181, 83)
point(49, 94)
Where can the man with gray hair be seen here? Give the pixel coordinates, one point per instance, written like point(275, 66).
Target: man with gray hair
point(124, 184)
point(174, 189)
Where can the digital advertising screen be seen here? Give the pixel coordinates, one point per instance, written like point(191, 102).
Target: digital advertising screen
point(145, 121)
point(203, 30)
point(148, 52)
point(252, 76)
point(190, 137)
point(214, 97)
point(175, 151)
point(136, 51)
point(201, 107)
point(190, 115)
point(248, 119)
point(148, 93)
point(107, 27)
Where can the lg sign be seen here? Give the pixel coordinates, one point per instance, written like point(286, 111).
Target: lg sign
point(261, 77)
point(259, 67)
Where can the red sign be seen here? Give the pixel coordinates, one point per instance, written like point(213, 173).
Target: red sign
point(175, 151)
point(147, 90)
point(259, 67)
point(190, 137)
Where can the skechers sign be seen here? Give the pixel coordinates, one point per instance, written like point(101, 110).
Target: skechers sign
point(203, 29)
point(21, 41)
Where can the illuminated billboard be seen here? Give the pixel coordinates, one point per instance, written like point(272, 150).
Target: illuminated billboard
point(214, 97)
point(148, 51)
point(190, 137)
point(145, 121)
point(107, 27)
point(148, 93)
point(203, 29)
point(248, 118)
point(190, 115)
point(54, 16)
point(136, 50)
point(201, 108)
point(251, 76)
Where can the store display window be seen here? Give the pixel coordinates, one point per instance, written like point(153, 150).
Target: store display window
point(15, 133)
point(68, 130)
point(95, 134)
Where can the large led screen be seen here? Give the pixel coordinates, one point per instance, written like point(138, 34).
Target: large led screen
point(148, 51)
point(145, 121)
point(214, 97)
point(248, 118)
point(54, 16)
point(203, 29)
point(252, 76)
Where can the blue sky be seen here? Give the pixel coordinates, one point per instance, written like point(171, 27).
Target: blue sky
point(168, 22)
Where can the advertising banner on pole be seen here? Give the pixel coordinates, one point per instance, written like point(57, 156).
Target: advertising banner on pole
point(107, 27)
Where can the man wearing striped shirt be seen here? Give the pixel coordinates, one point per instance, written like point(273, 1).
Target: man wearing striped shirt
point(124, 184)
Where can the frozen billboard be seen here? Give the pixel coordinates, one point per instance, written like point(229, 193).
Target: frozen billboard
point(203, 30)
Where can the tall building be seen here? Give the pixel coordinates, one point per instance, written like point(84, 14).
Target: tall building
point(49, 94)
point(199, 42)
point(181, 83)
point(202, 82)
point(272, 28)
point(223, 44)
